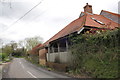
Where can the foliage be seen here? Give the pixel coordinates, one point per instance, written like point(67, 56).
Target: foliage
point(12, 49)
point(7, 49)
point(96, 54)
point(1, 43)
point(4, 57)
point(30, 59)
point(19, 52)
point(32, 42)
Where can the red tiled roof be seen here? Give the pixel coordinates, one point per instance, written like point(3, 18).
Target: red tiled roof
point(107, 22)
point(35, 48)
point(88, 19)
point(85, 20)
point(72, 27)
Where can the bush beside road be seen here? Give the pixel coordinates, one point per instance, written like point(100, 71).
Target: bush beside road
point(4, 58)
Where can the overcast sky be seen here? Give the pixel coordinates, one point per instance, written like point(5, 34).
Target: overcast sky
point(46, 19)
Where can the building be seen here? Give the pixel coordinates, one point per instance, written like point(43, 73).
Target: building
point(55, 52)
point(34, 54)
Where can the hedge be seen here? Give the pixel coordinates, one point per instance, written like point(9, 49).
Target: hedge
point(96, 55)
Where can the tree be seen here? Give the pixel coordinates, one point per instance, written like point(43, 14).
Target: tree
point(1, 44)
point(21, 44)
point(14, 45)
point(7, 49)
point(32, 42)
point(1, 41)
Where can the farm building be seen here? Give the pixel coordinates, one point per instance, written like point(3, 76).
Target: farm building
point(55, 52)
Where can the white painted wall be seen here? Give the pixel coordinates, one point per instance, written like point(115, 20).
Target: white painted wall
point(62, 57)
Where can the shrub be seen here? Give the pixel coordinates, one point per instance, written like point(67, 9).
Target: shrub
point(96, 55)
point(3, 55)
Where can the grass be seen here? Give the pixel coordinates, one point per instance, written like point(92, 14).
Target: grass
point(4, 58)
point(39, 65)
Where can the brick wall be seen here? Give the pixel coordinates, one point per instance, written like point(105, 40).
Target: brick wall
point(57, 66)
point(42, 56)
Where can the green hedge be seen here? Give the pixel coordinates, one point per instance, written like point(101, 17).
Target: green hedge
point(3, 56)
point(96, 55)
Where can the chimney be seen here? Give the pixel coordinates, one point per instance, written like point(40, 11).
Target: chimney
point(88, 8)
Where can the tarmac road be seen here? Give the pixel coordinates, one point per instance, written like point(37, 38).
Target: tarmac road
point(20, 68)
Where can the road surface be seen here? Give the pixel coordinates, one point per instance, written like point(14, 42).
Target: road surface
point(20, 68)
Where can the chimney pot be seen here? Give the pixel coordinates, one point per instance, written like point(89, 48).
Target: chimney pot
point(88, 8)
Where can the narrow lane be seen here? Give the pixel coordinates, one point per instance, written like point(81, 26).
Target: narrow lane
point(20, 68)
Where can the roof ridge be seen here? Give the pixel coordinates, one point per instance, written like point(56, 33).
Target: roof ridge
point(83, 22)
point(61, 30)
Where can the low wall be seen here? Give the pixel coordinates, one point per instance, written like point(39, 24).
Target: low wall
point(59, 61)
point(42, 61)
point(57, 66)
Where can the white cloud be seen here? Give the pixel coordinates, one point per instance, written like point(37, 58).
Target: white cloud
point(46, 19)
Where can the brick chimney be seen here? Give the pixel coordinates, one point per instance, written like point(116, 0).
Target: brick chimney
point(88, 8)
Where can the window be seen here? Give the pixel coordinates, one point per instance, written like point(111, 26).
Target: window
point(98, 21)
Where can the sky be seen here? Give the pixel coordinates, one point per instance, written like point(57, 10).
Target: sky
point(45, 20)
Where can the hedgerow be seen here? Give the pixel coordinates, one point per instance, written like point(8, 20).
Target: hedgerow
point(96, 55)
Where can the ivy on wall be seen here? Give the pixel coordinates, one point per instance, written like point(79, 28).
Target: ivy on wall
point(96, 54)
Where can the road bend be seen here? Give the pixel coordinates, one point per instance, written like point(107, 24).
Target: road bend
point(20, 68)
